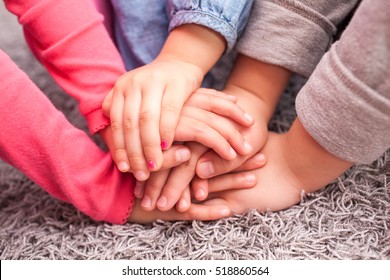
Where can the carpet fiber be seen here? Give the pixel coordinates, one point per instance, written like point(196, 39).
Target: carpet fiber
point(350, 219)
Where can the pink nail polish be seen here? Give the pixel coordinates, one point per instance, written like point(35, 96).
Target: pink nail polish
point(164, 145)
point(151, 164)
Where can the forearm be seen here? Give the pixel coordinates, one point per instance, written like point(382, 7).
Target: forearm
point(260, 84)
point(311, 163)
point(194, 44)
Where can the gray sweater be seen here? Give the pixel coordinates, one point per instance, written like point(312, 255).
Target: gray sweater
point(345, 105)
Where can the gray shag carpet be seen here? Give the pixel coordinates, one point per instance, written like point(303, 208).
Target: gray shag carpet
point(350, 219)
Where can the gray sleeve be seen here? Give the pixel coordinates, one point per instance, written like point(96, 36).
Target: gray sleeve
point(345, 105)
point(293, 34)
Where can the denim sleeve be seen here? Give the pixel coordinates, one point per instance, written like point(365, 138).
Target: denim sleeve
point(227, 17)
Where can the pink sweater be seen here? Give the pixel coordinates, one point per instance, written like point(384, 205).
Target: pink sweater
point(69, 38)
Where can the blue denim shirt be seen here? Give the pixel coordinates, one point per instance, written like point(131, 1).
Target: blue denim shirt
point(141, 27)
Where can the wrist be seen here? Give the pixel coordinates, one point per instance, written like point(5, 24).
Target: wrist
point(265, 81)
point(194, 44)
point(191, 70)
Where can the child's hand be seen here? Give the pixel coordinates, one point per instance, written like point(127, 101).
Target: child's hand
point(211, 164)
point(144, 105)
point(174, 156)
point(200, 123)
point(258, 86)
point(213, 119)
point(196, 211)
point(277, 186)
point(296, 164)
point(201, 212)
point(165, 189)
point(168, 187)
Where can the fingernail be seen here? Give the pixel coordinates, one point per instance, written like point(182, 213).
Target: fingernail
point(206, 169)
point(233, 152)
point(232, 97)
point(162, 202)
point(164, 145)
point(250, 178)
point(141, 175)
point(183, 204)
point(151, 164)
point(259, 158)
point(248, 117)
point(225, 212)
point(248, 147)
point(138, 190)
point(200, 194)
point(123, 166)
point(146, 202)
point(182, 155)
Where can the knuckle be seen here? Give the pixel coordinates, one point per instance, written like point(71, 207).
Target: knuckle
point(231, 134)
point(213, 119)
point(116, 125)
point(152, 150)
point(234, 134)
point(157, 75)
point(145, 117)
point(213, 91)
point(121, 83)
point(225, 166)
point(129, 125)
point(153, 188)
point(187, 168)
point(118, 86)
point(171, 192)
point(170, 107)
point(166, 133)
point(136, 160)
point(119, 154)
point(199, 130)
point(137, 79)
point(150, 146)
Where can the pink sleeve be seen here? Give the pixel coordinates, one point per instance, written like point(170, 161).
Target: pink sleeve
point(104, 7)
point(38, 140)
point(69, 38)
